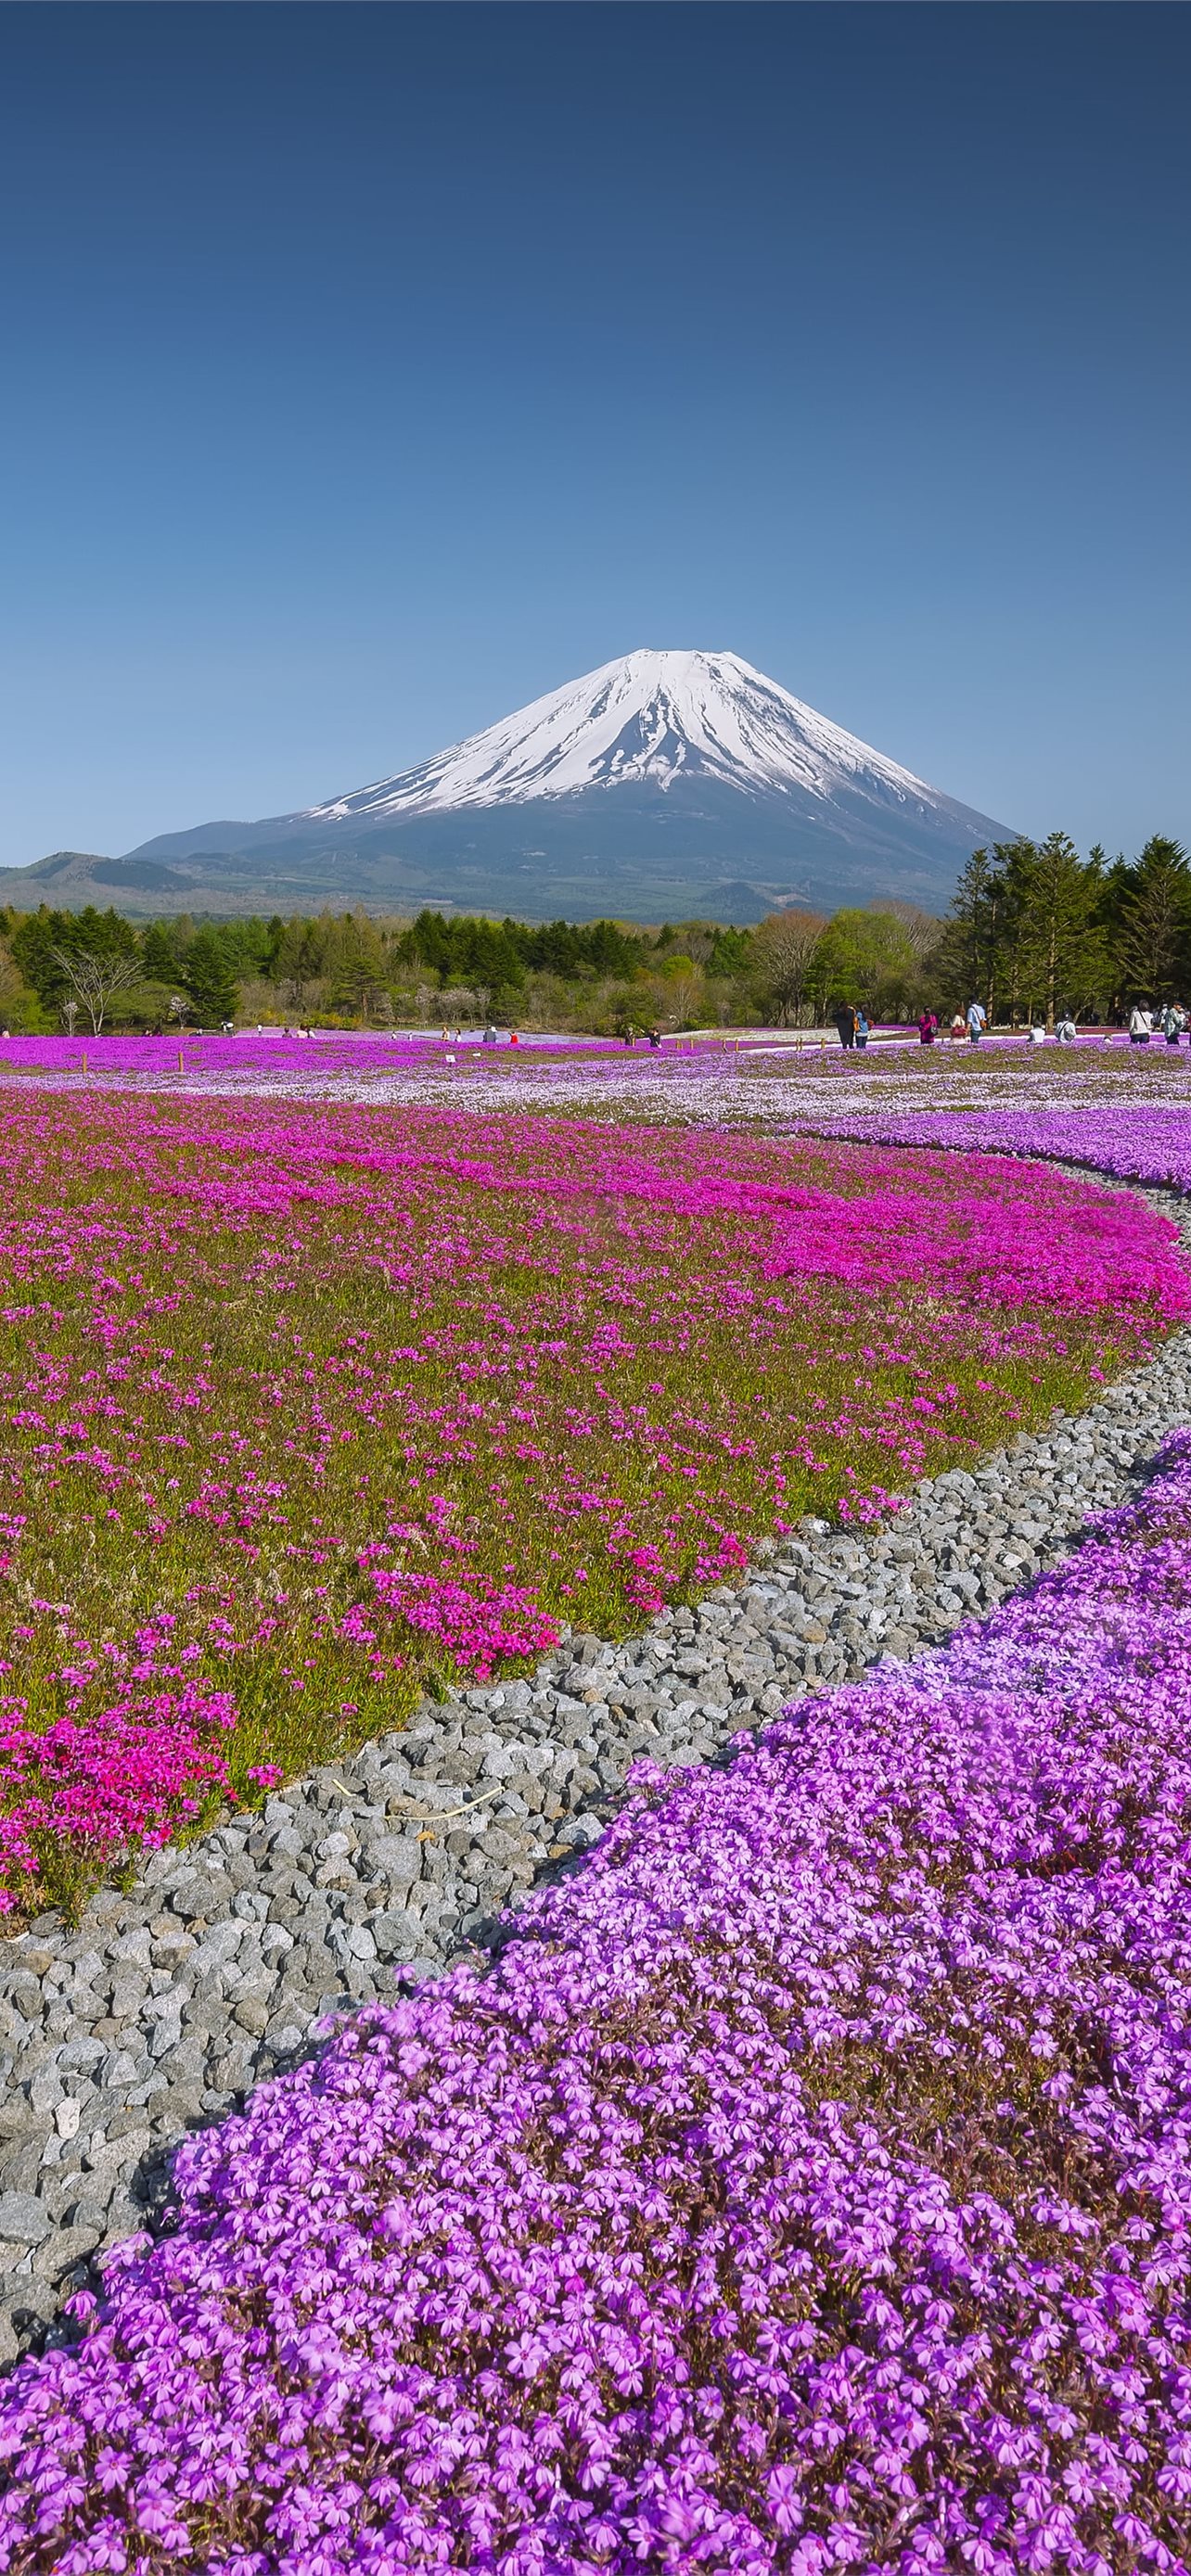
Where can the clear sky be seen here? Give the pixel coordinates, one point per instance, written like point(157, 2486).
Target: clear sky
point(369, 370)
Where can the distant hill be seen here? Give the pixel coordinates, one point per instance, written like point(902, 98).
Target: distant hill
point(662, 786)
point(70, 879)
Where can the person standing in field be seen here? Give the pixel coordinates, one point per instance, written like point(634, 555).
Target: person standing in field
point(1140, 1025)
point(1065, 1031)
point(958, 1028)
point(861, 1029)
point(926, 1029)
point(977, 1022)
point(845, 1021)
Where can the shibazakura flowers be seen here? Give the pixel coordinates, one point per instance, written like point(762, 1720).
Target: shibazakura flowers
point(1136, 1141)
point(807, 2188)
point(305, 1407)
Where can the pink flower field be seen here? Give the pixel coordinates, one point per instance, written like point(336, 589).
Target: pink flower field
point(310, 1406)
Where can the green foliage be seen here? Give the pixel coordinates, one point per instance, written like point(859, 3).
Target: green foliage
point(863, 957)
point(207, 978)
point(1033, 928)
point(1151, 915)
point(38, 940)
point(160, 962)
point(730, 952)
point(477, 951)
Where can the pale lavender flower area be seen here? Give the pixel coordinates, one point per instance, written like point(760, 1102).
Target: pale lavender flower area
point(806, 2188)
point(782, 1080)
point(1135, 1141)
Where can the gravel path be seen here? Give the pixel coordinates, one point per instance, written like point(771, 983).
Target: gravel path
point(166, 2004)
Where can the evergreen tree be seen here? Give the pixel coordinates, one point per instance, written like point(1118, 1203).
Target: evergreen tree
point(208, 980)
point(355, 964)
point(1017, 866)
point(969, 948)
point(159, 957)
point(1060, 946)
point(300, 948)
point(36, 943)
point(1154, 922)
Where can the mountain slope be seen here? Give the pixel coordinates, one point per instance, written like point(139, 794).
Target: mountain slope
point(663, 784)
point(651, 719)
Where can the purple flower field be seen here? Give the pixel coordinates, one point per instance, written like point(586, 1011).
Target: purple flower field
point(1135, 1141)
point(807, 2188)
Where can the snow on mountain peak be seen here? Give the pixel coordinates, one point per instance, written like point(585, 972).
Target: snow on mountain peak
point(650, 718)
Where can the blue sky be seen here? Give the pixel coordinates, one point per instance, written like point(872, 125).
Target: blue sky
point(370, 370)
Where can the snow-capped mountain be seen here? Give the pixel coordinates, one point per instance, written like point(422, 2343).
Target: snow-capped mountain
point(653, 718)
point(662, 786)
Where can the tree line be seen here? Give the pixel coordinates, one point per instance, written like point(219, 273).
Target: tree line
point(1034, 930)
point(345, 968)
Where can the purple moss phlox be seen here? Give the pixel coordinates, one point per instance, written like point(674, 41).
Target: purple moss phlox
point(1134, 1140)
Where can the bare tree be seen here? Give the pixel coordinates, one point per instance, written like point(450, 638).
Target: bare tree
point(179, 1009)
point(921, 928)
point(783, 946)
point(70, 1012)
point(96, 978)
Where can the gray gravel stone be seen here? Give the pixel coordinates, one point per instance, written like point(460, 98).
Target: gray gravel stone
point(23, 2219)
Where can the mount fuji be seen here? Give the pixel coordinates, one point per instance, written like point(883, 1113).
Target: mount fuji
point(663, 785)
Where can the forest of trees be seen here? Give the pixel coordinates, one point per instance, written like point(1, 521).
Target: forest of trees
point(1034, 930)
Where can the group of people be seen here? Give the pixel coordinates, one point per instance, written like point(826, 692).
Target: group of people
point(852, 1026)
point(970, 1024)
point(1168, 1023)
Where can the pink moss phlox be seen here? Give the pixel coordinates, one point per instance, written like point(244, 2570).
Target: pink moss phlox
point(475, 1627)
point(123, 1779)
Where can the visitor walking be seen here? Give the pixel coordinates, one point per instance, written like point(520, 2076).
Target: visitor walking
point(845, 1021)
point(977, 1022)
point(1174, 1021)
point(958, 1029)
point(926, 1029)
point(1140, 1025)
point(861, 1029)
